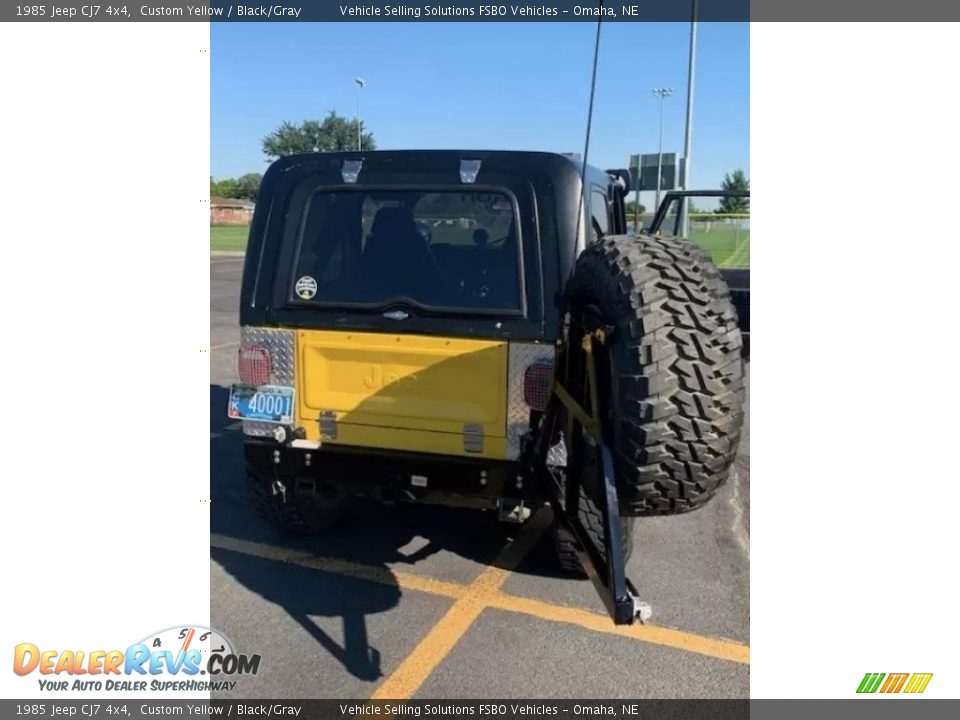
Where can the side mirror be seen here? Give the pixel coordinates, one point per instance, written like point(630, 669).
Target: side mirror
point(622, 178)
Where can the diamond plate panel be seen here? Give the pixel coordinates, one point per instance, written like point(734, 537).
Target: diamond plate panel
point(557, 455)
point(258, 429)
point(518, 414)
point(282, 347)
point(281, 344)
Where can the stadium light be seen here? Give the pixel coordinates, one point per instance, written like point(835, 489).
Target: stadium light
point(360, 85)
point(662, 93)
point(688, 134)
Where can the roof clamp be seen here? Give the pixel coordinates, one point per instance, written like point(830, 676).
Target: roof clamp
point(350, 170)
point(469, 170)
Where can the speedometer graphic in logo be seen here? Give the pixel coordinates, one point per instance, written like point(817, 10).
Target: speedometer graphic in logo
point(183, 639)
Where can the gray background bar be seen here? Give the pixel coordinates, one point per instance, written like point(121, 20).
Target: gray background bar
point(472, 11)
point(873, 708)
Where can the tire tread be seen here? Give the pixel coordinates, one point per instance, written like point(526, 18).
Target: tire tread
point(679, 374)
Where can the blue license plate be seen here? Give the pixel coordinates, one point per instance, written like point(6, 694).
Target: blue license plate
point(266, 403)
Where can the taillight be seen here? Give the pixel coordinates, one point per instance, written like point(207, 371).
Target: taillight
point(536, 385)
point(253, 365)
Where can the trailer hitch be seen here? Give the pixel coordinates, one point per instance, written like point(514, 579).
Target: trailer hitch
point(606, 569)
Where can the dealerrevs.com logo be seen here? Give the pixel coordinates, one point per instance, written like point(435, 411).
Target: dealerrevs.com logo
point(911, 683)
point(183, 658)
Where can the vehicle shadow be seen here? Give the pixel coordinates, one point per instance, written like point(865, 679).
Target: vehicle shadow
point(382, 537)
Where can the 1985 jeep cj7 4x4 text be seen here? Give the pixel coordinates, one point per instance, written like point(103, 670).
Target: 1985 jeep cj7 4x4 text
point(474, 327)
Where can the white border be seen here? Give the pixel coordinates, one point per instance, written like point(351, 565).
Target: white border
point(105, 286)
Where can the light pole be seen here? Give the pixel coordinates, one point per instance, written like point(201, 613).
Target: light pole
point(360, 83)
point(636, 198)
point(661, 92)
point(688, 137)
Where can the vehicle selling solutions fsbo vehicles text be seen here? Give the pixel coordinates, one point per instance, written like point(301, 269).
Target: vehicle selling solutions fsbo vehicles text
point(416, 11)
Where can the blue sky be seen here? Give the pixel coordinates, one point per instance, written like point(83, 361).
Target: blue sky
point(484, 85)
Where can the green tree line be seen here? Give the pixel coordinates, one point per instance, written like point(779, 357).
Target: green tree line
point(336, 133)
point(244, 187)
point(332, 134)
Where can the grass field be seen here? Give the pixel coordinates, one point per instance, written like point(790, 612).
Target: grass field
point(728, 246)
point(228, 237)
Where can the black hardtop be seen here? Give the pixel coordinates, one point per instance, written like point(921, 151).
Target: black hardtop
point(546, 190)
point(395, 165)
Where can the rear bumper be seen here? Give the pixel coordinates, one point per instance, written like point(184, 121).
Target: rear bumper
point(392, 474)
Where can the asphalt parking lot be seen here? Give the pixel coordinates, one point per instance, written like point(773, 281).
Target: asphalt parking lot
point(423, 602)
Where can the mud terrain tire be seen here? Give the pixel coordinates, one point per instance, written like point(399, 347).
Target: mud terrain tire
point(676, 375)
point(591, 517)
point(565, 544)
point(302, 513)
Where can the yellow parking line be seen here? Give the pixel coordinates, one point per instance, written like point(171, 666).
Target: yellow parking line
point(381, 575)
point(719, 648)
point(472, 599)
point(430, 652)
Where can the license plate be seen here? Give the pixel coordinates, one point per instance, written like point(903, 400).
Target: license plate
point(266, 403)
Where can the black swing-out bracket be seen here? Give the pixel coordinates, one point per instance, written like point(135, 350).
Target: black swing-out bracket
point(607, 571)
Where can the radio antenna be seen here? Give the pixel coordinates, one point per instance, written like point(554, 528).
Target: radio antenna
point(586, 142)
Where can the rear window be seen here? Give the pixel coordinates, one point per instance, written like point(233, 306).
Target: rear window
point(440, 250)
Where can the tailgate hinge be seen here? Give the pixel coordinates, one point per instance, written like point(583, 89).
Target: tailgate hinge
point(473, 438)
point(328, 424)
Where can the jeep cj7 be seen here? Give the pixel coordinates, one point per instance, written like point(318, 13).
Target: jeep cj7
point(475, 327)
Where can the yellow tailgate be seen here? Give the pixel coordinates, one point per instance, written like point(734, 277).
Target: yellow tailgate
point(404, 392)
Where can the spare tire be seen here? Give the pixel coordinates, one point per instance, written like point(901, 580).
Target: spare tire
point(673, 366)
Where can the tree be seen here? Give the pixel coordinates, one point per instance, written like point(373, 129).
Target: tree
point(631, 208)
point(224, 188)
point(333, 134)
point(737, 180)
point(248, 186)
